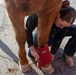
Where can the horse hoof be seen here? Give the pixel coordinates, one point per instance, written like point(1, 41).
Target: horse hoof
point(48, 70)
point(24, 68)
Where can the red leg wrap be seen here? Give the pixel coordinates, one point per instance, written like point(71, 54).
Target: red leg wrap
point(45, 56)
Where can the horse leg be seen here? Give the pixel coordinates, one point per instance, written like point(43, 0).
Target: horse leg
point(44, 25)
point(17, 18)
point(21, 39)
point(44, 28)
point(20, 35)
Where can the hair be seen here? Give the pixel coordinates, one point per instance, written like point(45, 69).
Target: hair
point(65, 3)
point(67, 12)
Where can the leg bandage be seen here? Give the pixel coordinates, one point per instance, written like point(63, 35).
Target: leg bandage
point(45, 56)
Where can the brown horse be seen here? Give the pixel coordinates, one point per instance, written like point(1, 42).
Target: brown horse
point(46, 10)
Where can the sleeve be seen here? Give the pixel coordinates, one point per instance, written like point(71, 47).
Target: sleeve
point(31, 24)
point(58, 39)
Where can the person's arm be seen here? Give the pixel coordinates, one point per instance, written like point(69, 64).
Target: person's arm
point(58, 39)
point(31, 24)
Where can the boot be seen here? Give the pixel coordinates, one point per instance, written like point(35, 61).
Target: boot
point(69, 61)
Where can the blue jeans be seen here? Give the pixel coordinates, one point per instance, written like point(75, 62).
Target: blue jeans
point(55, 40)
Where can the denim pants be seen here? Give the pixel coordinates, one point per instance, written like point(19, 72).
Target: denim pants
point(56, 39)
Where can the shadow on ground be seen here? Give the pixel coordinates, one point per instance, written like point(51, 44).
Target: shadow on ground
point(8, 51)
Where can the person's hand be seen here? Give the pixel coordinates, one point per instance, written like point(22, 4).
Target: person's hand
point(51, 53)
point(34, 53)
point(52, 56)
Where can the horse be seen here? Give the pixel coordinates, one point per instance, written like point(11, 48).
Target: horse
point(17, 10)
